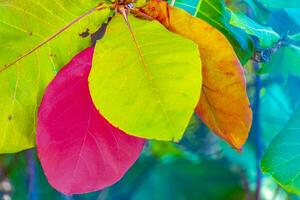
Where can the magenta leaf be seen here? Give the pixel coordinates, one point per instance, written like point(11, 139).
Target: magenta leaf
point(79, 150)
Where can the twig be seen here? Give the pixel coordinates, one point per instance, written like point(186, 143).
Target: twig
point(265, 55)
point(245, 184)
point(32, 193)
point(257, 131)
point(267, 81)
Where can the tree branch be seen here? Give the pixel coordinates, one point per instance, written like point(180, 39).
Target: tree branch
point(265, 55)
point(257, 130)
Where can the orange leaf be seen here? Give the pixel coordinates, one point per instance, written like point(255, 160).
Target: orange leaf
point(224, 105)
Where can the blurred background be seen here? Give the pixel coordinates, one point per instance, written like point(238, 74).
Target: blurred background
point(202, 166)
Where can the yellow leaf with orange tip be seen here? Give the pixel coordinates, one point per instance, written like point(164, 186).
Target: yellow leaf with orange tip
point(224, 105)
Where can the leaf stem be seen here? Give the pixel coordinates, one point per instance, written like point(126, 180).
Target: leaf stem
point(99, 7)
point(30, 154)
point(257, 130)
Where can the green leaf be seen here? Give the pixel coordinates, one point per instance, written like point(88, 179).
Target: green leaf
point(23, 26)
point(266, 35)
point(215, 13)
point(280, 3)
point(282, 158)
point(146, 82)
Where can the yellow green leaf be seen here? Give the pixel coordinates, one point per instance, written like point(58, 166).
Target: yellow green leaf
point(24, 73)
point(145, 80)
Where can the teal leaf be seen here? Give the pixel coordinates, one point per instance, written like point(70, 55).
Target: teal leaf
point(280, 3)
point(282, 158)
point(294, 14)
point(266, 35)
point(284, 61)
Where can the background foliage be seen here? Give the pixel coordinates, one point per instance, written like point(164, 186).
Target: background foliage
point(201, 164)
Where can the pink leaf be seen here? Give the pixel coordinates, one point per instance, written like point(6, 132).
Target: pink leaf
point(79, 150)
